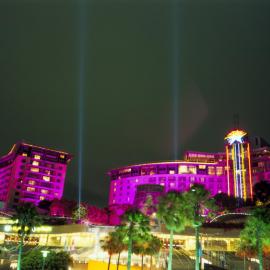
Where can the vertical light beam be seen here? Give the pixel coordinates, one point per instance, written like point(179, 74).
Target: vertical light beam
point(175, 76)
point(81, 90)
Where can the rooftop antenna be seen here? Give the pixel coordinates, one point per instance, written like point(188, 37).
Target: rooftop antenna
point(236, 121)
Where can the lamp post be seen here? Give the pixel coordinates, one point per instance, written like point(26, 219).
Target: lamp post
point(44, 255)
point(196, 225)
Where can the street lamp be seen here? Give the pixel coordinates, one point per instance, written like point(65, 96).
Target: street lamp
point(44, 255)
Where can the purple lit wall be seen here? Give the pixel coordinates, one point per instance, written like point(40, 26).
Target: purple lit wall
point(31, 173)
point(208, 169)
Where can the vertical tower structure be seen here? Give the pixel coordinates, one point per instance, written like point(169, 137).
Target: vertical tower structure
point(238, 165)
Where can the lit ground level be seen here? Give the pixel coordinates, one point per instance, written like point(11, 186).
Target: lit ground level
point(83, 243)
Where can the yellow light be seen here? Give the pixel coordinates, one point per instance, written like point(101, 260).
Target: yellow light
point(46, 178)
point(235, 136)
point(249, 170)
point(34, 169)
point(37, 156)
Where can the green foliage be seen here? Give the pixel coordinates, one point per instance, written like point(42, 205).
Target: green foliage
point(256, 228)
point(26, 217)
point(200, 205)
point(135, 225)
point(79, 213)
point(33, 260)
point(113, 243)
point(171, 211)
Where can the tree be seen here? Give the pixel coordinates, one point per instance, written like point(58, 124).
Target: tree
point(26, 218)
point(262, 193)
point(135, 228)
point(225, 203)
point(171, 212)
point(33, 260)
point(153, 247)
point(200, 207)
point(79, 213)
point(256, 233)
point(113, 244)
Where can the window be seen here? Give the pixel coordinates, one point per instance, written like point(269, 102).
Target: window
point(62, 156)
point(46, 178)
point(182, 169)
point(34, 169)
point(35, 163)
point(42, 198)
point(36, 156)
point(192, 169)
point(31, 182)
point(211, 170)
point(24, 154)
point(44, 191)
point(31, 189)
point(202, 167)
point(219, 170)
point(171, 172)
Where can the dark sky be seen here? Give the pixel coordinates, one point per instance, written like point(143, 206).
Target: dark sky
point(223, 50)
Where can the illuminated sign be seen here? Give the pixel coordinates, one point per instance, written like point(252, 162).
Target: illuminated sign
point(41, 229)
point(235, 136)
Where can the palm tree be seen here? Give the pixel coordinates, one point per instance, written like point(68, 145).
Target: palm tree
point(135, 227)
point(26, 218)
point(200, 205)
point(256, 233)
point(153, 247)
point(171, 212)
point(113, 244)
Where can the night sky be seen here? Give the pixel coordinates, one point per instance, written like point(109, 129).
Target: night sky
point(131, 49)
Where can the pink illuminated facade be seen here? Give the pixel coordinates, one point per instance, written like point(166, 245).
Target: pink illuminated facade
point(216, 171)
point(30, 173)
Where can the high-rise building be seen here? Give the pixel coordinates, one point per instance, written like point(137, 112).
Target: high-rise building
point(238, 165)
point(234, 172)
point(30, 173)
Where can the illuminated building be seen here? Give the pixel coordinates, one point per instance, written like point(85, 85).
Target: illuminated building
point(30, 173)
point(233, 172)
point(238, 164)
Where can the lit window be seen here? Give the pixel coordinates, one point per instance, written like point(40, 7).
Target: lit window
point(62, 156)
point(202, 179)
point(172, 184)
point(171, 172)
point(42, 198)
point(44, 191)
point(202, 167)
point(192, 169)
point(46, 178)
point(182, 169)
point(211, 170)
point(35, 163)
point(152, 172)
point(31, 182)
point(24, 154)
point(114, 190)
point(34, 169)
point(48, 172)
point(219, 170)
point(30, 189)
point(136, 180)
point(36, 156)
point(113, 201)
